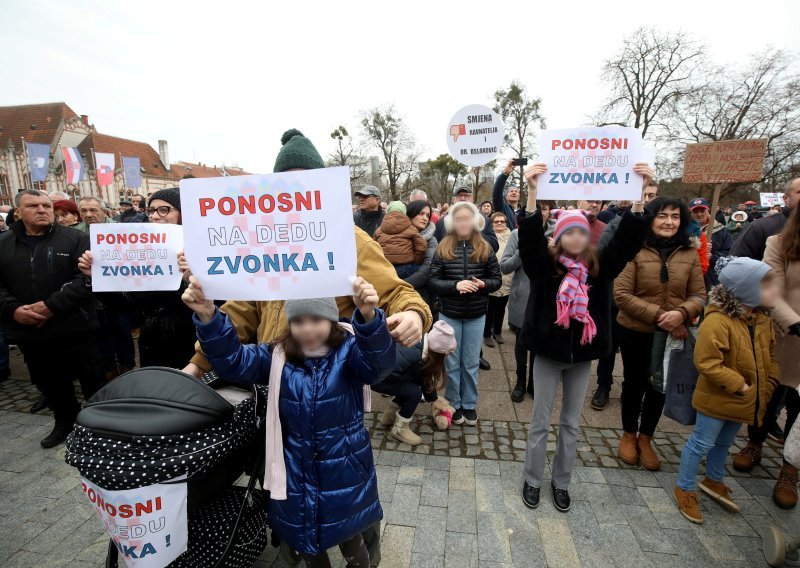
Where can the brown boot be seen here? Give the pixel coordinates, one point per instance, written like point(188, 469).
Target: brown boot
point(720, 493)
point(647, 455)
point(628, 451)
point(688, 504)
point(785, 492)
point(748, 458)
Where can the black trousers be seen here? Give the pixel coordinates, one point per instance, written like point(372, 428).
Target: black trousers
point(524, 361)
point(495, 315)
point(638, 395)
point(792, 399)
point(354, 551)
point(406, 395)
point(605, 366)
point(53, 364)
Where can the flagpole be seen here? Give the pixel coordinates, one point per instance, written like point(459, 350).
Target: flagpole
point(28, 164)
point(96, 177)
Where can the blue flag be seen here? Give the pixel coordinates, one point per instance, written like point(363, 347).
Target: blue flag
point(38, 160)
point(133, 171)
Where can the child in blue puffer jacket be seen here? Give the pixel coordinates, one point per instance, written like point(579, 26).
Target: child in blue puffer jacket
point(319, 469)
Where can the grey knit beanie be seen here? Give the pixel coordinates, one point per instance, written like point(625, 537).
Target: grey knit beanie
point(742, 277)
point(321, 307)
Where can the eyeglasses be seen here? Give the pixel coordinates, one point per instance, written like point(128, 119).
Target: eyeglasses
point(162, 211)
point(498, 222)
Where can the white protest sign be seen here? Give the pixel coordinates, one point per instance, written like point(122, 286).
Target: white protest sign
point(590, 163)
point(135, 256)
point(149, 525)
point(475, 135)
point(769, 199)
point(271, 237)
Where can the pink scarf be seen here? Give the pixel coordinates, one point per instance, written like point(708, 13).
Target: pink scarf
point(274, 463)
point(572, 301)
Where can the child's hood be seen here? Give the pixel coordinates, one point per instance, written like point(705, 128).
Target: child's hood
point(395, 223)
point(720, 299)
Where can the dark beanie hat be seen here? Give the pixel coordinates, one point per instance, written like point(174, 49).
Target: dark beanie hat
point(67, 205)
point(297, 152)
point(171, 195)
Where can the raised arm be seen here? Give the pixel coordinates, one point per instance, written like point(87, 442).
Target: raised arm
point(498, 202)
point(532, 243)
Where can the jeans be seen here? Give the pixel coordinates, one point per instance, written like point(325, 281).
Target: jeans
point(406, 395)
point(574, 379)
point(114, 340)
point(406, 270)
point(605, 366)
point(462, 364)
point(638, 395)
point(711, 439)
point(4, 358)
point(495, 316)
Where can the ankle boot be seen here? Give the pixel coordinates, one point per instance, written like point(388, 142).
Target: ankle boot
point(628, 452)
point(401, 431)
point(387, 418)
point(647, 455)
point(519, 391)
point(748, 458)
point(785, 492)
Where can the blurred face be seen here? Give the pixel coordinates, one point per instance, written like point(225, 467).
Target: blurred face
point(35, 212)
point(66, 218)
point(667, 222)
point(545, 212)
point(792, 197)
point(463, 223)
point(486, 208)
point(91, 212)
point(513, 196)
point(310, 332)
point(701, 215)
point(624, 204)
point(421, 220)
point(499, 224)
point(650, 193)
point(575, 242)
point(592, 208)
point(368, 202)
point(161, 211)
point(463, 196)
point(123, 207)
point(770, 293)
point(742, 207)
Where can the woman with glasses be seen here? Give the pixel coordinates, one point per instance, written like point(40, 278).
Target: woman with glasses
point(167, 336)
point(493, 328)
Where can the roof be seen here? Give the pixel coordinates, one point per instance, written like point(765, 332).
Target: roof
point(148, 157)
point(36, 123)
point(182, 169)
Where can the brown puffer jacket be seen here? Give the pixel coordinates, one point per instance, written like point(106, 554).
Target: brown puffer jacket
point(641, 296)
point(734, 347)
point(400, 240)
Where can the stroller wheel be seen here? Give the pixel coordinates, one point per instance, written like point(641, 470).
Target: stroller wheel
point(774, 546)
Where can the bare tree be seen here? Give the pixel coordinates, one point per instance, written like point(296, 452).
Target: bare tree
point(521, 115)
point(347, 154)
point(384, 128)
point(652, 71)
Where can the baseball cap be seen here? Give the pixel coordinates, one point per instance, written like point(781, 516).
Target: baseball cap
point(369, 191)
point(697, 203)
point(462, 189)
point(125, 202)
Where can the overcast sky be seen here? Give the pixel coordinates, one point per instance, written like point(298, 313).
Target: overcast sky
point(222, 80)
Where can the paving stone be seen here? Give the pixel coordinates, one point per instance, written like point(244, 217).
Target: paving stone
point(646, 529)
point(437, 463)
point(425, 561)
point(405, 505)
point(558, 545)
point(493, 538)
point(461, 512)
point(410, 474)
point(396, 545)
point(428, 534)
point(461, 550)
point(489, 493)
point(461, 478)
point(387, 481)
point(487, 467)
point(435, 488)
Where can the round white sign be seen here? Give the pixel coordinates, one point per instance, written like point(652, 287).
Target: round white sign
point(475, 135)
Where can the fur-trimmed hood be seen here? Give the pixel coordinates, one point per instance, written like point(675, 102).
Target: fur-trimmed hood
point(724, 301)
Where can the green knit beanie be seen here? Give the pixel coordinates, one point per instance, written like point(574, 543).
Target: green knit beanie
point(396, 206)
point(297, 152)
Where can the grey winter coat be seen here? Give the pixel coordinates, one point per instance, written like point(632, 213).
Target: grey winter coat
point(520, 284)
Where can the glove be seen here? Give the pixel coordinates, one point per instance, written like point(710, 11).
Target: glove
point(794, 329)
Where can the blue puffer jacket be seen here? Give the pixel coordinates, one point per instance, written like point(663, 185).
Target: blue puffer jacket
point(331, 490)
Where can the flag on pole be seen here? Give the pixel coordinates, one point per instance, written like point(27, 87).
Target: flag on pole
point(105, 168)
point(133, 171)
point(38, 160)
point(73, 165)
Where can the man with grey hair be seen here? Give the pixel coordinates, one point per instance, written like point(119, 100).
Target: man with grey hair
point(58, 196)
point(753, 240)
point(418, 195)
point(46, 309)
point(92, 210)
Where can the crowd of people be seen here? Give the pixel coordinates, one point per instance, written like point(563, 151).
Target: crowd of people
point(436, 284)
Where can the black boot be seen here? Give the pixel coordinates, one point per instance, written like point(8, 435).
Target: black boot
point(484, 364)
point(58, 435)
point(519, 391)
point(530, 496)
point(530, 386)
point(39, 405)
point(600, 399)
point(561, 499)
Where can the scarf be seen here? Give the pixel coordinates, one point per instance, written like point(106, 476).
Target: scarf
point(274, 462)
point(572, 301)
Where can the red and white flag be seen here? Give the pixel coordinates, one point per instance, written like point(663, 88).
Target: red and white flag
point(73, 165)
point(105, 168)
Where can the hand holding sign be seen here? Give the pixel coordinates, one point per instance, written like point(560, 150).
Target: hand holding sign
point(195, 298)
point(647, 174)
point(532, 174)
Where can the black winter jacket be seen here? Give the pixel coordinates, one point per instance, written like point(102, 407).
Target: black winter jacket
point(445, 274)
point(47, 272)
point(368, 221)
point(542, 335)
point(752, 242)
point(407, 370)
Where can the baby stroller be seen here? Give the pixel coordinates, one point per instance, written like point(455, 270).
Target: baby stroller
point(158, 424)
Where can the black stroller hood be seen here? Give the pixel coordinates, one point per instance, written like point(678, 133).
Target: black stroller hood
point(154, 401)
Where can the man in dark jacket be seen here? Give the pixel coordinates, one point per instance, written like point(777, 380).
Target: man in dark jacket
point(753, 240)
point(507, 200)
point(46, 309)
point(130, 214)
point(721, 238)
point(370, 213)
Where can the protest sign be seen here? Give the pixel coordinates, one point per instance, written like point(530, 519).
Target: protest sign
point(271, 237)
point(139, 257)
point(770, 199)
point(475, 135)
point(590, 163)
point(148, 525)
point(732, 161)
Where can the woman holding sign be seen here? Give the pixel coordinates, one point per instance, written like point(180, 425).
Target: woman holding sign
point(167, 336)
point(567, 324)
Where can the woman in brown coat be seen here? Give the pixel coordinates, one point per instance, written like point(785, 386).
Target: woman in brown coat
point(662, 288)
